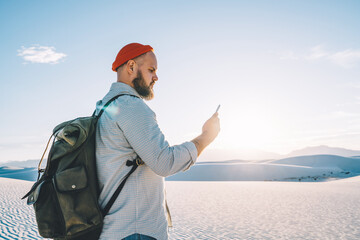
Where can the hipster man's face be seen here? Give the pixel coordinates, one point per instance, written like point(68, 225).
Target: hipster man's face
point(146, 76)
point(145, 90)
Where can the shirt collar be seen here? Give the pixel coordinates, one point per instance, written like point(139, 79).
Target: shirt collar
point(116, 88)
point(122, 88)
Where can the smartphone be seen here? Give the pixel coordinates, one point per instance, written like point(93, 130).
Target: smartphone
point(217, 109)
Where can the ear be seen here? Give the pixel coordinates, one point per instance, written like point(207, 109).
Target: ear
point(131, 67)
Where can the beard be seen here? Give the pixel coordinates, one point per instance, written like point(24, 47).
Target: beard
point(140, 86)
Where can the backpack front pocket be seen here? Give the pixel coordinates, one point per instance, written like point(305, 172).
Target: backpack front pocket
point(71, 180)
point(78, 206)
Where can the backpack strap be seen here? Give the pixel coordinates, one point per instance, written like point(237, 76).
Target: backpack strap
point(108, 103)
point(134, 163)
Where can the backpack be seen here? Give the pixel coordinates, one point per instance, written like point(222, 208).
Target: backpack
point(65, 197)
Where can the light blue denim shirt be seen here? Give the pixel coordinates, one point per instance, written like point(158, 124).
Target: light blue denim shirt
point(128, 128)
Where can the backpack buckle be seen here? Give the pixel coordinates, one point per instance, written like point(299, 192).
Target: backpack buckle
point(139, 161)
point(136, 161)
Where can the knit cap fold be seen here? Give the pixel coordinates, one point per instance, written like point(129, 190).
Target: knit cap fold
point(128, 52)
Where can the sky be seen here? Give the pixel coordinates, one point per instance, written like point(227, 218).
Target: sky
point(286, 73)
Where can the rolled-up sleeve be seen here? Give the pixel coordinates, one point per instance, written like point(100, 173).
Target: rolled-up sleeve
point(138, 123)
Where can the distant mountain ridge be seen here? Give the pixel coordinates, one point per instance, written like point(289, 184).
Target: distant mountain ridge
point(211, 155)
point(323, 150)
point(23, 164)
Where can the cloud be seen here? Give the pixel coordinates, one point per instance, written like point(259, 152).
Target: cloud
point(40, 54)
point(317, 52)
point(348, 58)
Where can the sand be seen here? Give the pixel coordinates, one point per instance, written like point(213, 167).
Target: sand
point(265, 210)
point(17, 220)
point(228, 210)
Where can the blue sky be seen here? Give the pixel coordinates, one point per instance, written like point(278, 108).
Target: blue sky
point(287, 73)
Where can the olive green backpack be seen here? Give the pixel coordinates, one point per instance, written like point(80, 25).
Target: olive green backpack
point(65, 197)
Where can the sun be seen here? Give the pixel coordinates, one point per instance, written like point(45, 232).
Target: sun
point(252, 126)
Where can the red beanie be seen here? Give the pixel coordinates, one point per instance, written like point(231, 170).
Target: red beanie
point(128, 52)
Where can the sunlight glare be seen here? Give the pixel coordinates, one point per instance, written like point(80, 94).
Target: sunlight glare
point(253, 127)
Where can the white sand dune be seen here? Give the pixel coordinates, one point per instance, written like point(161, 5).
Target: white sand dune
point(330, 161)
point(228, 210)
point(215, 209)
point(304, 168)
point(29, 174)
point(350, 179)
point(251, 172)
point(265, 210)
point(17, 220)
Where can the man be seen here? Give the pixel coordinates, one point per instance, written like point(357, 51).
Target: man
point(128, 129)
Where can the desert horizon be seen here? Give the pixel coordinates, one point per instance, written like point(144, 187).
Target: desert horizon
point(229, 209)
point(301, 197)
